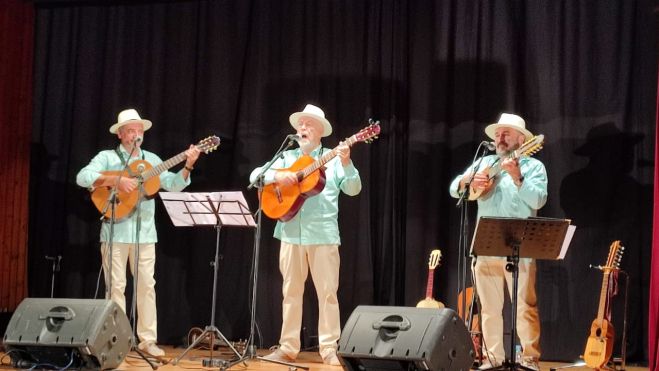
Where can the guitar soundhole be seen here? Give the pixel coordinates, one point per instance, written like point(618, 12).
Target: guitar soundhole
point(598, 332)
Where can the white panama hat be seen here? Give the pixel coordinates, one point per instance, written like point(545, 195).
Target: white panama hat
point(509, 120)
point(315, 113)
point(129, 116)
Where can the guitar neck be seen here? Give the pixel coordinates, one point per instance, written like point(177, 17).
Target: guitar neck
point(165, 165)
point(324, 159)
point(604, 294)
point(430, 283)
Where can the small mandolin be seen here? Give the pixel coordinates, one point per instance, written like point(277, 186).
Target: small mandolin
point(429, 301)
point(600, 342)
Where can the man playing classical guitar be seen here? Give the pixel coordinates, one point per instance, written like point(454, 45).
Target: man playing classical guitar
point(130, 130)
point(310, 239)
point(519, 190)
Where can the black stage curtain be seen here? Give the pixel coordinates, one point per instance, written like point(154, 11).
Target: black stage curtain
point(433, 72)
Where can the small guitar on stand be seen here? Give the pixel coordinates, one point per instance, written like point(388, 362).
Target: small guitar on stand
point(125, 202)
point(469, 316)
point(599, 346)
point(283, 202)
point(429, 301)
point(529, 148)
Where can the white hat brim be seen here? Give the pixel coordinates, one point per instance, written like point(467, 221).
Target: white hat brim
point(327, 127)
point(491, 129)
point(145, 123)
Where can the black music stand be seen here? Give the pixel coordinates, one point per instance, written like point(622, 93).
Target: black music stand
point(514, 238)
point(215, 209)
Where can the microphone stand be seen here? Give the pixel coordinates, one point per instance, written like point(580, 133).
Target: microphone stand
point(112, 204)
point(56, 268)
point(136, 264)
point(250, 349)
point(463, 241)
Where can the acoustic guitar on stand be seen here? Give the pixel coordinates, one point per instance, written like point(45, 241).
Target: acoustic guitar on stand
point(599, 346)
point(429, 301)
point(283, 202)
point(529, 148)
point(147, 174)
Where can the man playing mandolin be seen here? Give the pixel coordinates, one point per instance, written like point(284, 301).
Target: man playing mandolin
point(99, 173)
point(517, 188)
point(310, 238)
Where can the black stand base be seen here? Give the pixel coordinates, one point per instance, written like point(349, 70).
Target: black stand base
point(210, 332)
point(573, 365)
point(508, 365)
point(250, 353)
point(143, 355)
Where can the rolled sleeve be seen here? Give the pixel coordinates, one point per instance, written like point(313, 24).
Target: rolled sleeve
point(90, 173)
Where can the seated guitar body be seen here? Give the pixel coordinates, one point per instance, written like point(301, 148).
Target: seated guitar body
point(430, 303)
point(599, 346)
point(283, 202)
point(125, 202)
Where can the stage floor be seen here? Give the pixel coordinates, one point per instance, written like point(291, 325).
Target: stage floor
point(194, 360)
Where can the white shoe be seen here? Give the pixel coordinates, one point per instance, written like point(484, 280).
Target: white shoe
point(278, 355)
point(330, 358)
point(531, 363)
point(151, 349)
point(488, 365)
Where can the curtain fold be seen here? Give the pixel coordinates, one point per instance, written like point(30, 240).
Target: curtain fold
point(16, 43)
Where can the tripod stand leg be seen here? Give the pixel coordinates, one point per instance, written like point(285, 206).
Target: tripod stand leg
point(140, 353)
point(199, 338)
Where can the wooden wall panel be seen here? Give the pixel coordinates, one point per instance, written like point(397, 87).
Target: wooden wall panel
point(16, 42)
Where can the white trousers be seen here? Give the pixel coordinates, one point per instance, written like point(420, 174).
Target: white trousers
point(122, 253)
point(295, 261)
point(490, 274)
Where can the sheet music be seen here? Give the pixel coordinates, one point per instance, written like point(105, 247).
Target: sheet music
point(187, 209)
point(566, 242)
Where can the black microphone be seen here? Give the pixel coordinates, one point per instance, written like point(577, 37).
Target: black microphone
point(294, 137)
point(489, 145)
point(137, 139)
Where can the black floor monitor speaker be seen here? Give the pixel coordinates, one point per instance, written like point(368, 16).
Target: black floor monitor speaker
point(73, 333)
point(405, 338)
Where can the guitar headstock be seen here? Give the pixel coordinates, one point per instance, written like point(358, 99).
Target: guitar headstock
point(369, 133)
point(435, 257)
point(208, 144)
point(531, 146)
point(615, 255)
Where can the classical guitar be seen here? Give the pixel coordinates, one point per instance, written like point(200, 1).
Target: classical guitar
point(125, 202)
point(467, 296)
point(529, 148)
point(429, 301)
point(283, 202)
point(600, 342)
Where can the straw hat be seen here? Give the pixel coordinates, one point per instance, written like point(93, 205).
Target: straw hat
point(129, 116)
point(508, 120)
point(315, 113)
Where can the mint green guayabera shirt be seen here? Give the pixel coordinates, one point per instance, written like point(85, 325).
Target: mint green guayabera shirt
point(505, 199)
point(317, 221)
point(124, 230)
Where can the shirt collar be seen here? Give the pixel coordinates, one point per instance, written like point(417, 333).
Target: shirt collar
point(126, 153)
point(313, 153)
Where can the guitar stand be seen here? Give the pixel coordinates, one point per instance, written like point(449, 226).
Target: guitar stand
point(515, 238)
point(616, 363)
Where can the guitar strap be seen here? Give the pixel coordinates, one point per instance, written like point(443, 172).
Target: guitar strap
point(123, 160)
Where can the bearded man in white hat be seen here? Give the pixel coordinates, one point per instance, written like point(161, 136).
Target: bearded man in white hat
point(310, 240)
point(130, 128)
point(519, 191)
